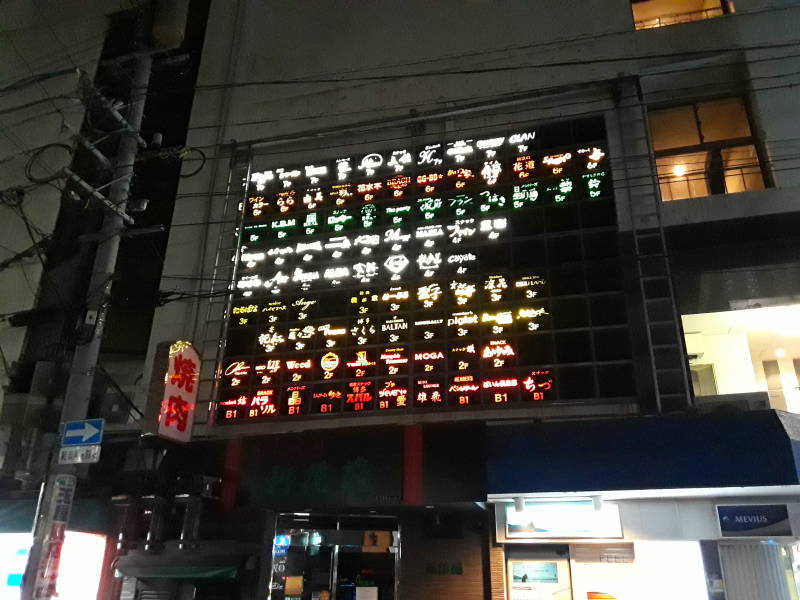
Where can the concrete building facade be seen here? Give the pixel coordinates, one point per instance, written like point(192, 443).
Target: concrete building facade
point(672, 308)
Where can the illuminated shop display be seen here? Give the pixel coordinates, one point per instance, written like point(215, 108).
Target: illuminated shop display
point(450, 276)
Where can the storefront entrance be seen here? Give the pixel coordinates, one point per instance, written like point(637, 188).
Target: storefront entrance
point(655, 570)
point(339, 557)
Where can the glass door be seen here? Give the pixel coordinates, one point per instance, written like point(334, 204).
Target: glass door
point(342, 558)
point(365, 575)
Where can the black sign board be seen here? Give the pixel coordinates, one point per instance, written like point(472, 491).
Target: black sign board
point(754, 520)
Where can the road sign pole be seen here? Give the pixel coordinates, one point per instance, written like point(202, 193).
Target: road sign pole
point(84, 362)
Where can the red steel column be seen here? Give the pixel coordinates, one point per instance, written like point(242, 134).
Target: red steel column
point(412, 465)
point(230, 475)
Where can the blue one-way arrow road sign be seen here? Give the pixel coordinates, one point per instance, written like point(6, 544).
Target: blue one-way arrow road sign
point(82, 433)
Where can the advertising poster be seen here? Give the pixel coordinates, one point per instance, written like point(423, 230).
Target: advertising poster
point(575, 519)
point(539, 580)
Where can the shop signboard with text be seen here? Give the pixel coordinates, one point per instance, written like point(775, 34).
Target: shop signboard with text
point(176, 418)
point(754, 520)
point(453, 276)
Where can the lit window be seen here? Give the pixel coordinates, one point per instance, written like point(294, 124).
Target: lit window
point(705, 148)
point(658, 13)
point(682, 175)
point(752, 351)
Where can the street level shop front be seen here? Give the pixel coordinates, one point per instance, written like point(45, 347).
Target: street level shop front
point(615, 512)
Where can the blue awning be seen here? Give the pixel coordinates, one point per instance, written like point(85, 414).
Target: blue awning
point(758, 448)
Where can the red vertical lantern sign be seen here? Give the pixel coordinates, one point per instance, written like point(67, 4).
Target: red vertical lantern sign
point(176, 417)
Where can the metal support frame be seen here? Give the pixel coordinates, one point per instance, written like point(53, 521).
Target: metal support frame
point(222, 286)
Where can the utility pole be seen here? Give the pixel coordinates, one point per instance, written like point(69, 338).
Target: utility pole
point(57, 494)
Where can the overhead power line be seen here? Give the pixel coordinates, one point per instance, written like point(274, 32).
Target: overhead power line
point(52, 66)
point(416, 105)
point(708, 85)
point(501, 69)
point(363, 127)
point(558, 42)
point(33, 103)
point(32, 250)
point(35, 79)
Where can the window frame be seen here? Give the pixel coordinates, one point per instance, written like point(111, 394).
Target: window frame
point(725, 6)
point(716, 146)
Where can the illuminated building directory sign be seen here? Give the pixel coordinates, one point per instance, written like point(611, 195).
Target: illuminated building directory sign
point(405, 279)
